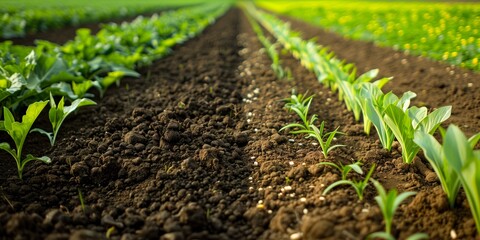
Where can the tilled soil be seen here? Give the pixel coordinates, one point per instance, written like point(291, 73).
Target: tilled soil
point(192, 150)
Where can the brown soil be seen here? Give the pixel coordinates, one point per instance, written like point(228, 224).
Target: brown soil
point(192, 151)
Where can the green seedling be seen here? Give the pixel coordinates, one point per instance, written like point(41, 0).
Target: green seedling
point(345, 169)
point(388, 203)
point(434, 152)
point(18, 131)
point(58, 113)
point(82, 201)
point(375, 107)
point(465, 160)
point(319, 135)
point(110, 232)
point(404, 124)
point(362, 102)
point(300, 105)
point(359, 186)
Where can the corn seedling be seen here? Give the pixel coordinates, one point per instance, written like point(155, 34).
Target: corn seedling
point(345, 169)
point(18, 131)
point(375, 106)
point(300, 105)
point(388, 203)
point(362, 102)
point(318, 134)
point(465, 161)
point(58, 113)
point(404, 124)
point(359, 186)
point(435, 155)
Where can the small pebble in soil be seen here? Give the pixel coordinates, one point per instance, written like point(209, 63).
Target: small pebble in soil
point(291, 140)
point(322, 198)
point(288, 188)
point(290, 163)
point(453, 234)
point(305, 211)
point(469, 84)
point(255, 163)
point(296, 236)
point(303, 199)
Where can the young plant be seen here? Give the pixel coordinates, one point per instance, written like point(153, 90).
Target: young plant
point(388, 203)
point(375, 106)
point(58, 114)
point(404, 124)
point(345, 169)
point(318, 134)
point(465, 160)
point(362, 102)
point(434, 152)
point(18, 131)
point(300, 105)
point(359, 186)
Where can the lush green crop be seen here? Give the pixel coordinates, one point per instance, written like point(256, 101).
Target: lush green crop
point(449, 32)
point(18, 18)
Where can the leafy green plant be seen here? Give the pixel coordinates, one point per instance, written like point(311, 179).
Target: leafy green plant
point(18, 131)
point(359, 186)
point(465, 160)
point(300, 104)
point(388, 203)
point(434, 152)
point(375, 106)
point(404, 124)
point(345, 169)
point(58, 113)
point(362, 101)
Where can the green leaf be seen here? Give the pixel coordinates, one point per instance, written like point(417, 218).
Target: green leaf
point(434, 153)
point(417, 236)
point(431, 123)
point(381, 235)
point(401, 125)
point(466, 162)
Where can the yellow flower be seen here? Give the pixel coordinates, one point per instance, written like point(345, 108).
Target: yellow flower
point(475, 61)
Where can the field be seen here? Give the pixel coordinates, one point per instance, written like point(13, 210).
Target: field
point(177, 128)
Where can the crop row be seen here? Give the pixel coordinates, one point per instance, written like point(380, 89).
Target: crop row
point(33, 76)
point(456, 162)
point(19, 23)
point(438, 31)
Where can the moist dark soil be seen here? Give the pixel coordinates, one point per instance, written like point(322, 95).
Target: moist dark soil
point(192, 150)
